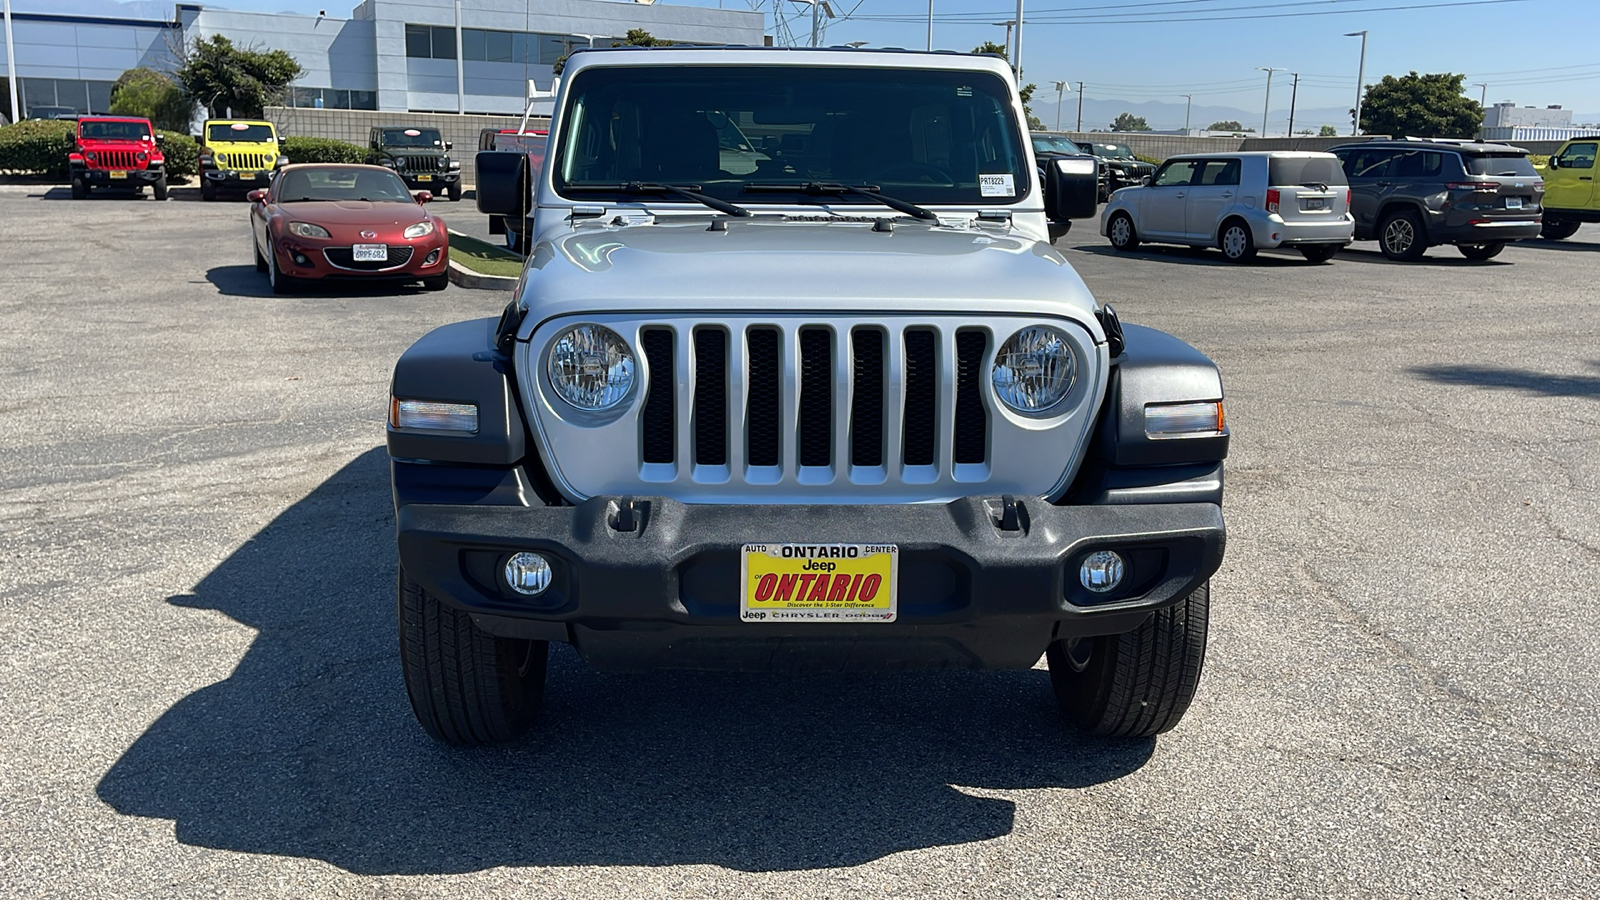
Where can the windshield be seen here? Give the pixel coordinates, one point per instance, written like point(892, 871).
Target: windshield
point(1114, 151)
point(411, 137)
point(925, 136)
point(1294, 171)
point(1501, 164)
point(239, 133)
point(377, 186)
point(1045, 143)
point(110, 131)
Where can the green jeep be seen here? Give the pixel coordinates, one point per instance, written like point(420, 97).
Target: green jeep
point(419, 156)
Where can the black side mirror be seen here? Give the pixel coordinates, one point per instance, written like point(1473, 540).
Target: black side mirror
point(1555, 162)
point(448, 145)
point(1071, 187)
point(199, 140)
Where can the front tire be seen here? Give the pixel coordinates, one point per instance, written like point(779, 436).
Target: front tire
point(80, 189)
point(1122, 234)
point(1558, 229)
point(436, 283)
point(1236, 242)
point(281, 283)
point(467, 687)
point(160, 188)
point(1319, 253)
point(1401, 237)
point(1481, 251)
point(1137, 684)
point(208, 188)
point(454, 192)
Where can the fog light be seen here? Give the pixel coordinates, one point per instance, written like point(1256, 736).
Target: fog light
point(1101, 571)
point(529, 573)
point(299, 258)
point(432, 258)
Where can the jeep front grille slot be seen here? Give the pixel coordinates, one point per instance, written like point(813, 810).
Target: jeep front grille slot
point(922, 397)
point(866, 401)
point(710, 397)
point(972, 426)
point(815, 430)
point(764, 412)
point(656, 419)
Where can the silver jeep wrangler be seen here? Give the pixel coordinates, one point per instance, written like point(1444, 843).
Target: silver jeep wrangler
point(793, 380)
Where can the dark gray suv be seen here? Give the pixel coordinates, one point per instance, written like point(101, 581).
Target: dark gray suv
point(1409, 195)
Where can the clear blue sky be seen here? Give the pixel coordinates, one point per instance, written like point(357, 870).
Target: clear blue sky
point(1532, 52)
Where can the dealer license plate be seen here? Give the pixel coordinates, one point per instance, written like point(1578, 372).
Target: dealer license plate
point(1315, 203)
point(114, 173)
point(1513, 203)
point(424, 177)
point(819, 582)
point(370, 252)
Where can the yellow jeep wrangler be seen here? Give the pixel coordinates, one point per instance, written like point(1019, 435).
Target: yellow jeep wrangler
point(237, 154)
point(1570, 197)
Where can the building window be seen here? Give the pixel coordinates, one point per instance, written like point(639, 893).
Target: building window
point(497, 46)
point(474, 44)
point(419, 41)
point(329, 98)
point(444, 42)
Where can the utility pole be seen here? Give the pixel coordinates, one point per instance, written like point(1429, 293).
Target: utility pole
point(1080, 107)
point(1266, 108)
point(11, 67)
point(1186, 108)
point(1361, 76)
point(1016, 61)
point(1061, 87)
point(930, 24)
point(1294, 95)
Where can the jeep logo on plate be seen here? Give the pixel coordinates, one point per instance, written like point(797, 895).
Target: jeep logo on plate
point(369, 235)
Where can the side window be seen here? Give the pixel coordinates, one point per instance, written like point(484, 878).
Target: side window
point(1177, 172)
point(1220, 172)
point(1421, 164)
point(1369, 163)
point(1579, 156)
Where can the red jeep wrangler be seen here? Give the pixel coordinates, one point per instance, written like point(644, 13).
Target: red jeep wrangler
point(117, 152)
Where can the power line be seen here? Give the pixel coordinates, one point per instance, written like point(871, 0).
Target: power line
point(1105, 20)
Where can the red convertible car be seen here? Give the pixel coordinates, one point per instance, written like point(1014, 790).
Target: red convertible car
point(339, 222)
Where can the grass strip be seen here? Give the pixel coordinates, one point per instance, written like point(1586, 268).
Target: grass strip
point(483, 258)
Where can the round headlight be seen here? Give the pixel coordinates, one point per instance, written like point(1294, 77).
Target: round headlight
point(1034, 369)
point(591, 367)
point(221, 158)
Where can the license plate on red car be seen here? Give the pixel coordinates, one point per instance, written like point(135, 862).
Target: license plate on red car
point(370, 252)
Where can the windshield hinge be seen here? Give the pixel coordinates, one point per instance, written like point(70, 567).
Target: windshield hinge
point(588, 212)
point(994, 215)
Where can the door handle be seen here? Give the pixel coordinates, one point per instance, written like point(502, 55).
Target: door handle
point(1227, 193)
point(1584, 178)
point(1180, 194)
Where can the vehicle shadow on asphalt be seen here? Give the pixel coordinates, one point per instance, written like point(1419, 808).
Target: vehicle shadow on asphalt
point(1437, 256)
point(1525, 380)
point(245, 281)
point(1193, 256)
point(309, 748)
point(108, 194)
point(1567, 244)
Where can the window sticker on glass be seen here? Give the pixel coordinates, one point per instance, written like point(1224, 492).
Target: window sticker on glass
point(997, 185)
point(964, 91)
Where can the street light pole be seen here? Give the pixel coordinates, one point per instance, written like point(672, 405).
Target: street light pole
point(1483, 100)
point(1267, 106)
point(1007, 24)
point(1016, 61)
point(1187, 106)
point(1361, 76)
point(1061, 89)
point(930, 24)
point(1080, 108)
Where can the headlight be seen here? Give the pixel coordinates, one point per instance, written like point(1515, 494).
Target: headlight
point(421, 229)
point(91, 156)
point(591, 367)
point(306, 229)
point(1034, 369)
point(141, 156)
point(455, 164)
point(221, 158)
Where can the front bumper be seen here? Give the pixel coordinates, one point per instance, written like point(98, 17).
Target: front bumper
point(971, 594)
point(233, 178)
point(119, 177)
point(415, 180)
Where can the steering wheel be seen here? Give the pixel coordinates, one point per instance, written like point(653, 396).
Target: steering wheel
point(917, 171)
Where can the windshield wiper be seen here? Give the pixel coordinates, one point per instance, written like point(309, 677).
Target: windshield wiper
point(864, 190)
point(687, 191)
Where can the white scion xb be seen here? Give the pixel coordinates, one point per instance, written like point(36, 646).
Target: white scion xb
point(1238, 203)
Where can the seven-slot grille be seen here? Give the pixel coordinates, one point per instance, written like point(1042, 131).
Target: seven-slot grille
point(245, 160)
point(115, 159)
point(420, 163)
point(814, 397)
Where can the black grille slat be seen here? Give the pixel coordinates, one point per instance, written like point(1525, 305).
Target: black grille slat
point(765, 412)
point(344, 258)
point(971, 437)
point(656, 419)
point(816, 397)
point(711, 397)
point(922, 398)
point(866, 411)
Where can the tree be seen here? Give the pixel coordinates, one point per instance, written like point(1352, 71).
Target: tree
point(1328, 131)
point(1420, 105)
point(1129, 122)
point(151, 95)
point(1228, 125)
point(637, 37)
point(1025, 92)
point(231, 80)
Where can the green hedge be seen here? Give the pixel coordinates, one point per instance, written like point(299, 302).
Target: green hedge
point(322, 150)
point(41, 148)
point(37, 147)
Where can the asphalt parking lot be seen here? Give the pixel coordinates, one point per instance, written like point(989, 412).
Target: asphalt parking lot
point(200, 696)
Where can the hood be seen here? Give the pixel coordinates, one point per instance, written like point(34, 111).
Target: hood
point(807, 267)
point(356, 212)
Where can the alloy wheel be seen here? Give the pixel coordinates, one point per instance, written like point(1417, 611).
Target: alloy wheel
point(1399, 235)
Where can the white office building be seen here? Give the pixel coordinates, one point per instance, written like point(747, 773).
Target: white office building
point(391, 55)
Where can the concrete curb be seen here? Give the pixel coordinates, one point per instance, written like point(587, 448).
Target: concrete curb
point(462, 276)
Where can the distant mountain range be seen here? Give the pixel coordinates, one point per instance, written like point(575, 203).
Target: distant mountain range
point(1099, 113)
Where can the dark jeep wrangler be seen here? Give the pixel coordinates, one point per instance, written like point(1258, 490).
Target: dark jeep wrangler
point(419, 156)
